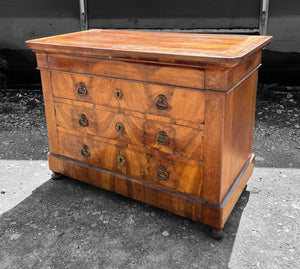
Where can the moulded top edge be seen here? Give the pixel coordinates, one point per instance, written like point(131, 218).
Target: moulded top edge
point(159, 46)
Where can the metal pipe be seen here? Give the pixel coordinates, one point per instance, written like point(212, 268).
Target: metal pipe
point(264, 14)
point(83, 15)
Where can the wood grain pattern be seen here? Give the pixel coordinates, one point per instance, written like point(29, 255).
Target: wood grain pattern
point(148, 72)
point(141, 97)
point(178, 203)
point(150, 46)
point(183, 175)
point(139, 190)
point(238, 130)
point(237, 191)
point(49, 110)
point(214, 126)
point(224, 79)
point(170, 116)
point(182, 141)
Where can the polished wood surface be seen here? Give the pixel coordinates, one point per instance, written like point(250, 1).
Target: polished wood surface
point(179, 174)
point(192, 77)
point(163, 118)
point(150, 46)
point(182, 104)
point(103, 121)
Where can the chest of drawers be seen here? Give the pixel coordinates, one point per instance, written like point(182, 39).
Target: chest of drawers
point(163, 118)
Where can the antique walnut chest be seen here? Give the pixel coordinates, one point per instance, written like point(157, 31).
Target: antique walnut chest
point(163, 118)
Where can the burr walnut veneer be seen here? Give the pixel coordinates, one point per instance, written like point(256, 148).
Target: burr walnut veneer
point(163, 118)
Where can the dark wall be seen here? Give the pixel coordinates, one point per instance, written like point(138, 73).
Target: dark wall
point(174, 14)
point(23, 20)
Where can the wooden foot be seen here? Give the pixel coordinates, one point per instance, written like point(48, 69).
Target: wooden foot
point(216, 233)
point(56, 176)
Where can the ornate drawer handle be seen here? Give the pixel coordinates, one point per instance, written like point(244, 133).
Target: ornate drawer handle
point(121, 159)
point(118, 94)
point(162, 173)
point(81, 90)
point(162, 138)
point(119, 127)
point(85, 151)
point(161, 102)
point(83, 122)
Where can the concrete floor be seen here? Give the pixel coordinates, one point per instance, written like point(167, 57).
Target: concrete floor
point(69, 224)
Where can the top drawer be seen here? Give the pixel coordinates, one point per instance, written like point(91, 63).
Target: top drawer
point(184, 76)
point(175, 103)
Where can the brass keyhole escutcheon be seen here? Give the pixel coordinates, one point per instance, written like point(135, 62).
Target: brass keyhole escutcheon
point(81, 90)
point(83, 122)
point(121, 159)
point(118, 94)
point(161, 102)
point(162, 138)
point(85, 151)
point(162, 173)
point(119, 127)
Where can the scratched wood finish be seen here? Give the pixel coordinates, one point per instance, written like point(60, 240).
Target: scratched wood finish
point(182, 104)
point(182, 175)
point(136, 129)
point(209, 83)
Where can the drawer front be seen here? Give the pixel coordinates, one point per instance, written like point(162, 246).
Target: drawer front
point(129, 127)
point(181, 76)
point(158, 168)
point(160, 100)
point(97, 120)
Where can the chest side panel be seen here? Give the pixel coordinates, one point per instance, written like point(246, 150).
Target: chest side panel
point(238, 130)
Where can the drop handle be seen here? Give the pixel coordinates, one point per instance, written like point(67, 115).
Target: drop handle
point(161, 102)
point(81, 90)
point(83, 122)
point(162, 173)
point(162, 138)
point(85, 151)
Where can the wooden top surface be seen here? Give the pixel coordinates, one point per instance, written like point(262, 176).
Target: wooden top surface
point(154, 46)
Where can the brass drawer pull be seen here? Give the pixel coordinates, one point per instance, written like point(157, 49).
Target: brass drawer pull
point(162, 138)
point(85, 151)
point(121, 159)
point(161, 102)
point(83, 122)
point(81, 90)
point(118, 94)
point(162, 173)
point(119, 127)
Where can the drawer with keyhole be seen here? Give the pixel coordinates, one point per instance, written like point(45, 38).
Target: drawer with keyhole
point(155, 99)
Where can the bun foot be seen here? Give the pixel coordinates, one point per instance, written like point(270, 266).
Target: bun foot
point(56, 176)
point(216, 233)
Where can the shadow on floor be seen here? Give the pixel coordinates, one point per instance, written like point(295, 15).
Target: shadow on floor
point(70, 224)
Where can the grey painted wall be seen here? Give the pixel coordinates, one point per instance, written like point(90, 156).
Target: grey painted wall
point(174, 14)
point(284, 25)
point(22, 20)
